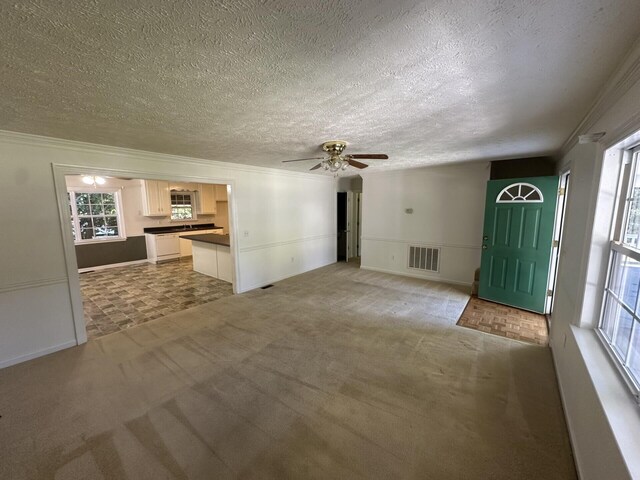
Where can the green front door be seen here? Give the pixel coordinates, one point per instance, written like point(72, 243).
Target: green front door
point(519, 216)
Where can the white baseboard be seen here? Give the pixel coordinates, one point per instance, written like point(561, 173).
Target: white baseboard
point(39, 353)
point(112, 265)
point(431, 278)
point(572, 440)
point(279, 279)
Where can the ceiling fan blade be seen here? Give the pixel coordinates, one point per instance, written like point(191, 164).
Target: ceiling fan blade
point(316, 167)
point(353, 163)
point(301, 159)
point(373, 156)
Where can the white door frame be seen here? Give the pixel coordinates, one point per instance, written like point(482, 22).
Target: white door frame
point(349, 231)
point(557, 240)
point(71, 262)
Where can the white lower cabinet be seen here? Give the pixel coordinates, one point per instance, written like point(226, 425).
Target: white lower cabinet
point(213, 260)
point(225, 265)
point(205, 258)
point(185, 247)
point(163, 246)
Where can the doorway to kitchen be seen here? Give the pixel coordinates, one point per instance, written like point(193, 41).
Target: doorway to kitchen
point(144, 248)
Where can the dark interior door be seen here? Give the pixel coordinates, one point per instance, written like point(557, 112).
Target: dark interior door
point(342, 226)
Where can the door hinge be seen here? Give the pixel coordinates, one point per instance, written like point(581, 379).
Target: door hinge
point(549, 293)
point(556, 243)
point(561, 191)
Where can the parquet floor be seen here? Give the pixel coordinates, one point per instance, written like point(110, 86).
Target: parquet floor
point(118, 298)
point(505, 321)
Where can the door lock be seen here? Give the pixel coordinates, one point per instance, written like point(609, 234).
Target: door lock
point(484, 247)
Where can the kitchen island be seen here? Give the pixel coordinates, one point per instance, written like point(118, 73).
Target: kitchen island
point(212, 255)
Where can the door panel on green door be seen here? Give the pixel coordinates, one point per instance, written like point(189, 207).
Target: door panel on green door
point(518, 226)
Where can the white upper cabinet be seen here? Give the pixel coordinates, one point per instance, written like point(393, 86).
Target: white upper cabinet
point(156, 201)
point(206, 199)
point(221, 193)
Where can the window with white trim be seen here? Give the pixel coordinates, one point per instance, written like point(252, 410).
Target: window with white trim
point(520, 192)
point(96, 215)
point(619, 325)
point(183, 206)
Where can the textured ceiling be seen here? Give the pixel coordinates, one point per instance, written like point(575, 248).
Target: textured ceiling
point(259, 81)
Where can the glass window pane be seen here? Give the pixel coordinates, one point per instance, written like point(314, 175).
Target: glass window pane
point(97, 209)
point(105, 231)
point(82, 198)
point(85, 222)
point(534, 196)
point(634, 355)
point(108, 198)
point(95, 198)
point(630, 281)
point(625, 279)
point(109, 209)
point(181, 213)
point(98, 222)
point(86, 233)
point(632, 229)
point(513, 191)
point(111, 221)
point(84, 210)
point(611, 312)
point(623, 332)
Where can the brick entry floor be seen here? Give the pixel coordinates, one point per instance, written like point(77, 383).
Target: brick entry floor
point(118, 298)
point(505, 321)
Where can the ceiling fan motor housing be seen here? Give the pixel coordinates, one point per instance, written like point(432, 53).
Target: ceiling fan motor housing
point(334, 147)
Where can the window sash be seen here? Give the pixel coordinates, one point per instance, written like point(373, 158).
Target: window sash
point(614, 306)
point(76, 216)
point(183, 201)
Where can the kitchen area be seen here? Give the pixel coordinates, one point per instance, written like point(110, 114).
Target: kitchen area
point(147, 248)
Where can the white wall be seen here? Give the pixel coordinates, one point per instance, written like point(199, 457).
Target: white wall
point(448, 212)
point(603, 419)
point(285, 220)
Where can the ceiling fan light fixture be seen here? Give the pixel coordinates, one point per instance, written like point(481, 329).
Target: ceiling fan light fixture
point(94, 180)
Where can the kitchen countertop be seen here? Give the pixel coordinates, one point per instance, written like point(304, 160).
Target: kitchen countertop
point(181, 228)
point(209, 238)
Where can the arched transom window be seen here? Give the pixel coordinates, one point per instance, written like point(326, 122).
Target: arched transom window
point(520, 192)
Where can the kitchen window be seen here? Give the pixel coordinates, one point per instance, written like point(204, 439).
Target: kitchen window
point(183, 206)
point(96, 215)
point(619, 326)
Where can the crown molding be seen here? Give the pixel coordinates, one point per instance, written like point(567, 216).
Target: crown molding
point(623, 78)
point(29, 139)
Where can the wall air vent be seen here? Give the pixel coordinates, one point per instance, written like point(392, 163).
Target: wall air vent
point(424, 258)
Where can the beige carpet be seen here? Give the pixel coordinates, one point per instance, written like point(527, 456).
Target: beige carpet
point(505, 321)
point(336, 374)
